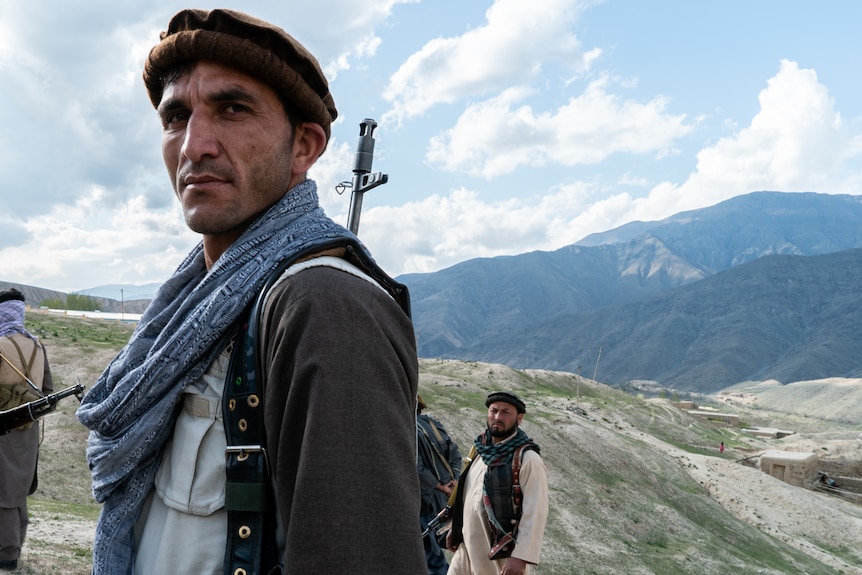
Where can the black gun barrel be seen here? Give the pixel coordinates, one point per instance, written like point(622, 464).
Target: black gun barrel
point(364, 156)
point(363, 179)
point(440, 518)
point(25, 413)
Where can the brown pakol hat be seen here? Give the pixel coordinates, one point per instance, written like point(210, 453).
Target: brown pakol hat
point(253, 46)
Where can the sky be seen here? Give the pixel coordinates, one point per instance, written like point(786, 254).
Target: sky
point(504, 126)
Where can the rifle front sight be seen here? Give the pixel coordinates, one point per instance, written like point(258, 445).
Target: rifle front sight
point(363, 179)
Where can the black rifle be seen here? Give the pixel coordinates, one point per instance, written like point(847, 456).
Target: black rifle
point(446, 513)
point(441, 518)
point(27, 412)
point(363, 179)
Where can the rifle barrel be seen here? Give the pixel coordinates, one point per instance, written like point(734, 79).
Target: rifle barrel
point(25, 413)
point(363, 179)
point(438, 519)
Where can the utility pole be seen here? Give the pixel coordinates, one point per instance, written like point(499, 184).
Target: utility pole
point(578, 396)
point(597, 364)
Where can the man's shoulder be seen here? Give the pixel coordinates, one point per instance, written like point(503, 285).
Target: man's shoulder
point(426, 421)
point(530, 450)
point(8, 341)
point(531, 459)
point(335, 300)
point(329, 278)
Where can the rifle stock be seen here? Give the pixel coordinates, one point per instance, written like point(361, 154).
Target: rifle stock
point(25, 413)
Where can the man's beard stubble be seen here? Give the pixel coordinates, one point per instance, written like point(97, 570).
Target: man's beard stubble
point(502, 433)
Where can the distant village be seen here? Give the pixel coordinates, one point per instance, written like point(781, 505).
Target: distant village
point(798, 468)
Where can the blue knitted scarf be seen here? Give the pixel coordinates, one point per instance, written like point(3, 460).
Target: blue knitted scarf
point(132, 407)
point(12, 319)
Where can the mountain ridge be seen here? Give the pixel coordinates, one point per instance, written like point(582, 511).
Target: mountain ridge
point(782, 317)
point(493, 308)
point(558, 309)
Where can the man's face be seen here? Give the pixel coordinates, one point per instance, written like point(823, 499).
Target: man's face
point(227, 144)
point(503, 418)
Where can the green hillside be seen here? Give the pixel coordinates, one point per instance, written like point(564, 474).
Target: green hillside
point(619, 505)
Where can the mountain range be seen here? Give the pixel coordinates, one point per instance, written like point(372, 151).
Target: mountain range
point(764, 285)
point(135, 301)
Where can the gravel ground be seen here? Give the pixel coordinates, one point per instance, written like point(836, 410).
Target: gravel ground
point(794, 515)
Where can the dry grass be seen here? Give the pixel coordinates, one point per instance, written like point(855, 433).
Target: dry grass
point(637, 486)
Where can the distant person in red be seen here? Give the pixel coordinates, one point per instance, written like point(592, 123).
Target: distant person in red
point(721, 447)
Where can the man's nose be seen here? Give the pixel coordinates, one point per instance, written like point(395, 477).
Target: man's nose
point(200, 138)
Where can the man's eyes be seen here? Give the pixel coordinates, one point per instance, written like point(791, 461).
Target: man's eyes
point(175, 118)
point(179, 117)
point(235, 108)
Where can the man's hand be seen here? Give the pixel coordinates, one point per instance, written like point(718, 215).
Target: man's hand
point(447, 487)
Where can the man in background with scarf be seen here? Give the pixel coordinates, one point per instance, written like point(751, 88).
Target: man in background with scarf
point(498, 530)
point(245, 112)
point(23, 365)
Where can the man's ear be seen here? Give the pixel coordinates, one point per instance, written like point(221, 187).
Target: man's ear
point(309, 141)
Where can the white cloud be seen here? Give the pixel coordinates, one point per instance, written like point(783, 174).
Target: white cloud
point(334, 167)
point(495, 137)
point(796, 142)
point(440, 231)
point(86, 240)
point(350, 34)
point(517, 39)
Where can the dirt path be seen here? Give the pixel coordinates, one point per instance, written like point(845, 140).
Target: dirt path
point(807, 520)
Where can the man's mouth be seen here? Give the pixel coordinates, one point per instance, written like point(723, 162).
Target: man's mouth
point(201, 179)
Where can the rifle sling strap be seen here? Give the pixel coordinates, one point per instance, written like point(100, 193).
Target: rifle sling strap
point(26, 365)
point(250, 494)
point(436, 451)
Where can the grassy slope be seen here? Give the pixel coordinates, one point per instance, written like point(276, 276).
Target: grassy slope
point(78, 350)
point(618, 505)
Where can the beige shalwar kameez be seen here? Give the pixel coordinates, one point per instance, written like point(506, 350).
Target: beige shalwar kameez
point(471, 558)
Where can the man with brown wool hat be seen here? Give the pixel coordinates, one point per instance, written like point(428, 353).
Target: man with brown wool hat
point(232, 433)
point(501, 505)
